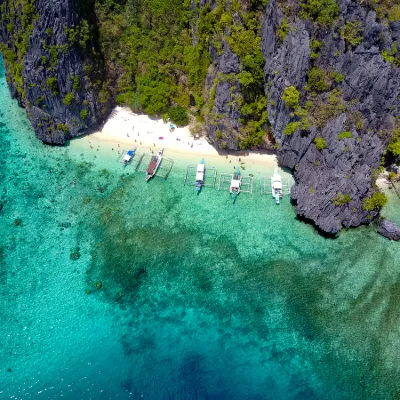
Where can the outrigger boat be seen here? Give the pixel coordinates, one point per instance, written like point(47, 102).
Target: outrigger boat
point(276, 186)
point(200, 176)
point(154, 164)
point(236, 182)
point(128, 156)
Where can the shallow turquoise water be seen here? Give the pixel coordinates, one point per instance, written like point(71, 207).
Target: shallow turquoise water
point(199, 299)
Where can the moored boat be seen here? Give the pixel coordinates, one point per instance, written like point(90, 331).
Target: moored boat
point(128, 156)
point(276, 186)
point(154, 164)
point(200, 176)
point(236, 182)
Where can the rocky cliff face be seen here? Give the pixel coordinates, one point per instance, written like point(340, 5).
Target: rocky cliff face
point(348, 86)
point(352, 106)
point(46, 50)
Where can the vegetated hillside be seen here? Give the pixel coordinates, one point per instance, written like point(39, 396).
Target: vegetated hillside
point(319, 80)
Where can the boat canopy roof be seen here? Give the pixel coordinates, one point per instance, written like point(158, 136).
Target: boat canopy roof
point(199, 176)
point(130, 152)
point(235, 183)
point(277, 184)
point(200, 167)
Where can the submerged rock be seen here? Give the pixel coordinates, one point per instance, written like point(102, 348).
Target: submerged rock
point(389, 230)
point(75, 255)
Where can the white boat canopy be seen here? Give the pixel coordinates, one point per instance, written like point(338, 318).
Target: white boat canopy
point(235, 184)
point(277, 184)
point(200, 172)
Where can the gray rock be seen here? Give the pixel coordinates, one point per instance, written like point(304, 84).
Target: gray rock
point(54, 121)
point(370, 90)
point(389, 230)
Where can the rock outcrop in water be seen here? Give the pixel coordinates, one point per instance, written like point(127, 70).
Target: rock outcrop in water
point(320, 84)
point(389, 230)
point(53, 68)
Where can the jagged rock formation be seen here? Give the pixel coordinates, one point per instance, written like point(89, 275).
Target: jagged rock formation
point(363, 101)
point(46, 49)
point(389, 230)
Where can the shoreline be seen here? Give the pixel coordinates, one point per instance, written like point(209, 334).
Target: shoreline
point(126, 130)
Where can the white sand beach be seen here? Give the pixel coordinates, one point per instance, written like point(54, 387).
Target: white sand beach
point(125, 129)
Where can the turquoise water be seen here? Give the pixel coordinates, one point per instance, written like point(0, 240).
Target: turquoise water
point(113, 288)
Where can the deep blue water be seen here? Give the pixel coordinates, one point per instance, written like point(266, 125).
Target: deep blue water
point(111, 288)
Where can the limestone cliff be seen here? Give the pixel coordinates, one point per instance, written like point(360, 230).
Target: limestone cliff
point(53, 68)
point(349, 101)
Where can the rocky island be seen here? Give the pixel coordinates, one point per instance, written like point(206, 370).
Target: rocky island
point(318, 81)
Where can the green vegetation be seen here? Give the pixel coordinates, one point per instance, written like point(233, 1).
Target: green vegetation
point(394, 13)
point(84, 113)
point(324, 12)
point(318, 80)
point(355, 119)
point(149, 47)
point(342, 199)
point(345, 135)
point(178, 115)
point(149, 41)
point(76, 83)
point(315, 46)
point(44, 61)
point(320, 143)
point(337, 77)
point(291, 97)
point(52, 84)
point(79, 36)
point(386, 10)
point(377, 200)
point(291, 127)
point(319, 112)
point(394, 144)
point(283, 29)
point(393, 176)
point(68, 99)
point(63, 127)
point(22, 11)
point(392, 55)
point(352, 33)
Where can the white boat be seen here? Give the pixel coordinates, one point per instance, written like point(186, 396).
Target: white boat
point(236, 182)
point(200, 175)
point(276, 186)
point(154, 164)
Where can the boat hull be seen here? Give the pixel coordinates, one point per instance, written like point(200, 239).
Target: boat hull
point(153, 165)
